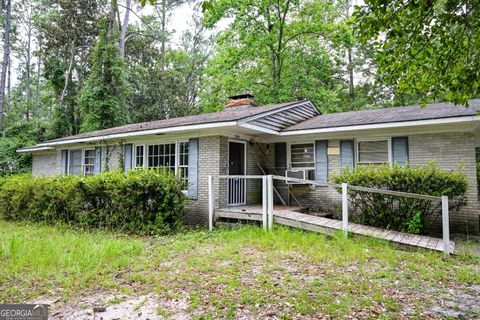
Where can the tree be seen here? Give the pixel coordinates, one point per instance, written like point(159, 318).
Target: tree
point(102, 99)
point(277, 50)
point(164, 87)
point(70, 33)
point(6, 57)
point(426, 48)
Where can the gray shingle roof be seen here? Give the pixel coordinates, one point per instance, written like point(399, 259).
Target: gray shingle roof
point(388, 115)
point(214, 117)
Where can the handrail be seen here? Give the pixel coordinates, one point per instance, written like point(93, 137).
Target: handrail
point(274, 189)
point(240, 177)
point(396, 193)
point(365, 189)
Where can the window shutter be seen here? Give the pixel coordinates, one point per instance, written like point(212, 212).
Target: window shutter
point(63, 162)
point(127, 159)
point(321, 160)
point(400, 150)
point(347, 155)
point(193, 168)
point(98, 161)
point(281, 157)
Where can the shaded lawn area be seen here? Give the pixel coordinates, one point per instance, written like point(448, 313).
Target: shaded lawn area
point(239, 273)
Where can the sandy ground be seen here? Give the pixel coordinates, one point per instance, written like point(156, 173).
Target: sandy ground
point(149, 307)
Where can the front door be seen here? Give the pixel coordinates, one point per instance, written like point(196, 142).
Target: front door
point(236, 167)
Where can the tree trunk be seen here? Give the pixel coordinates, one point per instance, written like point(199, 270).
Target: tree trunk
point(351, 88)
point(9, 85)
point(37, 84)
point(28, 60)
point(164, 32)
point(123, 31)
point(6, 55)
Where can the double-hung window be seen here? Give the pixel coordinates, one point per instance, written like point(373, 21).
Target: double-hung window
point(182, 169)
point(373, 151)
point(302, 157)
point(162, 156)
point(171, 155)
point(139, 156)
point(88, 162)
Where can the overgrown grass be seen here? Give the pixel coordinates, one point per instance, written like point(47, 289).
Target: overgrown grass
point(246, 271)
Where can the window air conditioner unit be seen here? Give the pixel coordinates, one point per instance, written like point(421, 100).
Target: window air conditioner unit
point(297, 174)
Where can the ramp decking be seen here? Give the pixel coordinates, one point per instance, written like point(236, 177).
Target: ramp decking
point(292, 216)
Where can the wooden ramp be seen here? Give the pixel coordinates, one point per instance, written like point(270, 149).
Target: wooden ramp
point(291, 216)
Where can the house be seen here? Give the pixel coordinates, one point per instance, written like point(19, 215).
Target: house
point(293, 138)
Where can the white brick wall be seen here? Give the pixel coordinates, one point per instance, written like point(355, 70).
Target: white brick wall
point(45, 165)
point(451, 151)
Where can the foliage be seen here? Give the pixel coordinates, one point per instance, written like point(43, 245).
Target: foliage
point(178, 72)
point(69, 33)
point(102, 99)
point(425, 47)
point(16, 137)
point(277, 50)
point(402, 213)
point(141, 202)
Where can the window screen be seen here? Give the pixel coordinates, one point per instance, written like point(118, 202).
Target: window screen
point(375, 152)
point(302, 155)
point(75, 163)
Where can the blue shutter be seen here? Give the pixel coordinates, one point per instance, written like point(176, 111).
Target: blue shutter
point(193, 168)
point(347, 154)
point(321, 160)
point(127, 159)
point(63, 162)
point(400, 150)
point(97, 169)
point(281, 157)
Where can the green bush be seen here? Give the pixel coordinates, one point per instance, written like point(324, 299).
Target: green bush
point(401, 213)
point(141, 202)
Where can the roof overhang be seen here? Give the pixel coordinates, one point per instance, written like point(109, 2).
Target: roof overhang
point(387, 125)
point(34, 148)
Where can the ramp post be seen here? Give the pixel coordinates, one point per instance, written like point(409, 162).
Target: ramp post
point(345, 208)
point(445, 227)
point(270, 200)
point(264, 202)
point(210, 203)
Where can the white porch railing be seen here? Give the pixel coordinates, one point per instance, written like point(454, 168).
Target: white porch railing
point(267, 201)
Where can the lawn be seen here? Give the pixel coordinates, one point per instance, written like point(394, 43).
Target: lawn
point(240, 273)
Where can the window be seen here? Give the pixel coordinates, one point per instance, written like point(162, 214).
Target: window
point(89, 162)
point(373, 151)
point(172, 155)
point(139, 155)
point(302, 155)
point(162, 155)
point(183, 161)
point(75, 163)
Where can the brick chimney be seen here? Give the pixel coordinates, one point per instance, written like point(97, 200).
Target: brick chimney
point(240, 102)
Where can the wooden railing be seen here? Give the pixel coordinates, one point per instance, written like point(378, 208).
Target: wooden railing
point(267, 200)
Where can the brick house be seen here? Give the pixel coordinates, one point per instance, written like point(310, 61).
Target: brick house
point(289, 138)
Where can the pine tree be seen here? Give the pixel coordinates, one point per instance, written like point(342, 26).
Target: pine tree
point(103, 98)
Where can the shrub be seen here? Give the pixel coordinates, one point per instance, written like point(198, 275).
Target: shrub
point(141, 202)
point(401, 213)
